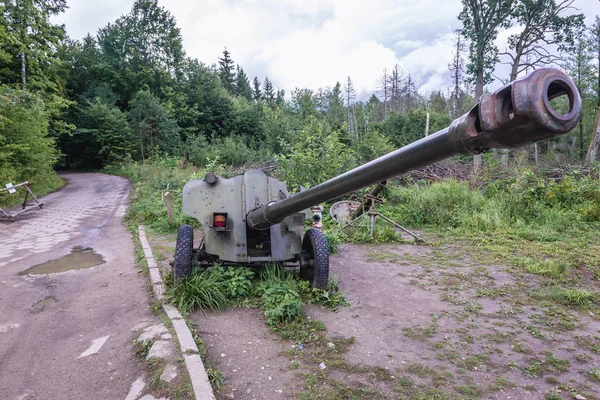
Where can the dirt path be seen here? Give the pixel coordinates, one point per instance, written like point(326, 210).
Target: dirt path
point(426, 323)
point(50, 322)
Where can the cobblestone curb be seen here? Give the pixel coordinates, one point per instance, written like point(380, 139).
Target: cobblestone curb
point(200, 383)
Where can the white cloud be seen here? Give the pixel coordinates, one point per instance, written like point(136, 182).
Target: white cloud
point(309, 43)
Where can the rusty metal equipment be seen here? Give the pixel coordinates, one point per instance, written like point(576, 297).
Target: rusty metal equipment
point(348, 213)
point(252, 218)
point(10, 188)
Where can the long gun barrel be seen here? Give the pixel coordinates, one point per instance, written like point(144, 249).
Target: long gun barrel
point(515, 115)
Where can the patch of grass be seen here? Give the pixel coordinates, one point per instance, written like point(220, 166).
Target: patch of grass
point(548, 268)
point(534, 369)
point(471, 391)
point(589, 343)
point(404, 383)
point(568, 296)
point(320, 386)
point(556, 364)
point(377, 256)
point(553, 395)
point(203, 289)
point(422, 333)
point(331, 297)
point(142, 348)
point(551, 364)
point(432, 394)
point(594, 374)
point(215, 377)
point(501, 383)
point(150, 181)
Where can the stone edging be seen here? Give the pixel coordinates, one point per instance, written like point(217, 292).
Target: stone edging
point(200, 383)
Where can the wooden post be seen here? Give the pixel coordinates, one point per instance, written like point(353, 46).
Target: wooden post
point(427, 126)
point(477, 162)
point(167, 197)
point(593, 152)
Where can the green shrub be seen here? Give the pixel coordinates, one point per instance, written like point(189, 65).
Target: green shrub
point(27, 151)
point(238, 281)
point(316, 156)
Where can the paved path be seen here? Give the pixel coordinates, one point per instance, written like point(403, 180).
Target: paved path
point(69, 335)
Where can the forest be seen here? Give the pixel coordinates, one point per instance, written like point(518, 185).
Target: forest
point(129, 93)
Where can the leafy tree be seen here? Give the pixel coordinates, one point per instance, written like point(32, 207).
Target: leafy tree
point(481, 20)
point(87, 67)
point(334, 107)
point(404, 129)
point(31, 39)
point(316, 156)
point(438, 103)
point(595, 46)
point(242, 84)
point(103, 136)
point(277, 129)
point(542, 25)
point(202, 106)
point(27, 150)
point(578, 66)
point(155, 131)
point(141, 50)
point(304, 103)
point(226, 72)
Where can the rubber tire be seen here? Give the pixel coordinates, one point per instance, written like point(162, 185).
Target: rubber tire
point(315, 244)
point(182, 263)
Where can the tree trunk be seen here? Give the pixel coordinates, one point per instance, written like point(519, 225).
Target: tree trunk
point(477, 160)
point(594, 149)
point(23, 71)
point(580, 138)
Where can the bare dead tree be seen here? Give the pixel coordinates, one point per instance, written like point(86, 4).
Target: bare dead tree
point(456, 68)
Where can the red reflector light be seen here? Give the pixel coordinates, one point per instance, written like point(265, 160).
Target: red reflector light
point(220, 220)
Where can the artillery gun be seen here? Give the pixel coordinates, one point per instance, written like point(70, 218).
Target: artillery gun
point(252, 219)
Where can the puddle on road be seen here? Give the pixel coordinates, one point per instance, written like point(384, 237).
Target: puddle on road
point(40, 305)
point(80, 258)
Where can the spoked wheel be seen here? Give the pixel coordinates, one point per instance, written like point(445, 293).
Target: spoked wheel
point(182, 264)
point(315, 267)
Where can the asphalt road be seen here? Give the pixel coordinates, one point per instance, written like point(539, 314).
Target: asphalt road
point(49, 323)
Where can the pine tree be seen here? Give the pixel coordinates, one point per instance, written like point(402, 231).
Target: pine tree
point(269, 92)
point(256, 92)
point(242, 84)
point(350, 96)
point(226, 74)
point(280, 100)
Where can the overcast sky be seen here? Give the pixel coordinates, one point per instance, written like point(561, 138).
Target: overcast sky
point(310, 43)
